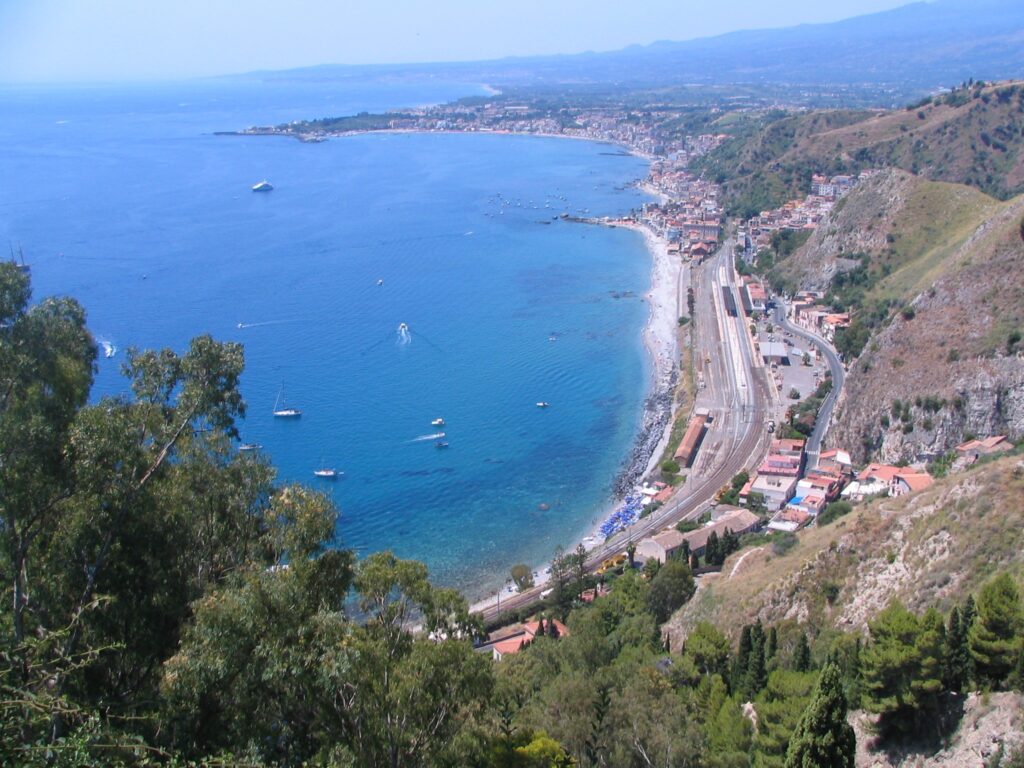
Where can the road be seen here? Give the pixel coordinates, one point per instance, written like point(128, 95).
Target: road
point(740, 400)
point(835, 367)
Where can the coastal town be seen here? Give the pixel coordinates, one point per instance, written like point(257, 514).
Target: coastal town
point(698, 476)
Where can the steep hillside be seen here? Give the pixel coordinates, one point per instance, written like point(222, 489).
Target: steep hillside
point(904, 223)
point(933, 275)
point(933, 548)
point(973, 135)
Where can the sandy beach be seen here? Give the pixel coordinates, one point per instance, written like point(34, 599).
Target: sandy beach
point(660, 341)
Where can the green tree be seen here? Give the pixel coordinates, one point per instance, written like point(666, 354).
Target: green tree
point(671, 588)
point(892, 669)
point(712, 550)
point(927, 686)
point(755, 675)
point(994, 638)
point(522, 576)
point(802, 654)
point(779, 707)
point(46, 365)
point(729, 737)
point(823, 736)
point(741, 659)
point(708, 649)
point(771, 645)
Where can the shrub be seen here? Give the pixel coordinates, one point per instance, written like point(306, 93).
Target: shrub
point(834, 511)
point(908, 313)
point(670, 467)
point(783, 542)
point(831, 591)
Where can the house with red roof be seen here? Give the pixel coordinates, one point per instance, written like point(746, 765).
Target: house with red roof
point(513, 639)
point(972, 450)
point(911, 482)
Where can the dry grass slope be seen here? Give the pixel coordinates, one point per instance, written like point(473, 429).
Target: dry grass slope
point(932, 548)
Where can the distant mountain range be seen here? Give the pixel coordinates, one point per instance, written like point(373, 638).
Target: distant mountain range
point(921, 45)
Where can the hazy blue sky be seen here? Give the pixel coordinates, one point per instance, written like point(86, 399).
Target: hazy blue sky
point(75, 40)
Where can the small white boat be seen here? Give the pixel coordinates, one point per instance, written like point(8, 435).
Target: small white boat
point(285, 413)
point(263, 186)
point(437, 423)
point(381, 281)
point(247, 447)
point(327, 473)
point(543, 404)
point(441, 444)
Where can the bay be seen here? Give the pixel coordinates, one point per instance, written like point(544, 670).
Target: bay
point(124, 198)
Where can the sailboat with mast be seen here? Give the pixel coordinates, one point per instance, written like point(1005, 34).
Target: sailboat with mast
point(284, 412)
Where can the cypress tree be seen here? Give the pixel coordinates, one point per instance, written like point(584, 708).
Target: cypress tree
point(802, 654)
point(540, 627)
point(771, 645)
point(993, 640)
point(823, 737)
point(756, 676)
point(956, 652)
point(739, 663)
point(711, 550)
point(927, 685)
point(553, 629)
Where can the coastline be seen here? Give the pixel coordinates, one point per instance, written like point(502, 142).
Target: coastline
point(659, 337)
point(660, 341)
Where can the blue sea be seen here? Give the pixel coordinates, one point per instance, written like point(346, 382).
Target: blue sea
point(124, 198)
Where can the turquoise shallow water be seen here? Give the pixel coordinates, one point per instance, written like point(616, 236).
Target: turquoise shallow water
point(125, 199)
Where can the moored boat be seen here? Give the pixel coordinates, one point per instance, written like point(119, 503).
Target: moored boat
point(285, 413)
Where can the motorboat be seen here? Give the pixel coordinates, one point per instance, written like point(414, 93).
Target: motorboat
point(327, 473)
point(543, 404)
point(437, 423)
point(263, 186)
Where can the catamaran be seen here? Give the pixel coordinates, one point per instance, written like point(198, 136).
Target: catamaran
point(285, 413)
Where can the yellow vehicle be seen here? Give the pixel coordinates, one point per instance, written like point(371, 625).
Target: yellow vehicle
point(612, 563)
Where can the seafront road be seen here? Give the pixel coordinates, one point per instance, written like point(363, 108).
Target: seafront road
point(737, 394)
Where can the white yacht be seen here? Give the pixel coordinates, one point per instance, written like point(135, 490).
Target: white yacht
point(263, 186)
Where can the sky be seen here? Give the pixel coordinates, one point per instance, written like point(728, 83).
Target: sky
point(112, 40)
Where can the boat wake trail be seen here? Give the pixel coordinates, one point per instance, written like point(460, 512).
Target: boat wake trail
point(421, 438)
point(265, 322)
point(109, 350)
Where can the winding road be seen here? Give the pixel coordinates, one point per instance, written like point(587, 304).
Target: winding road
point(837, 371)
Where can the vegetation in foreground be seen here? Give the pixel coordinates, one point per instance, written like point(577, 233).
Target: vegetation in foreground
point(171, 605)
